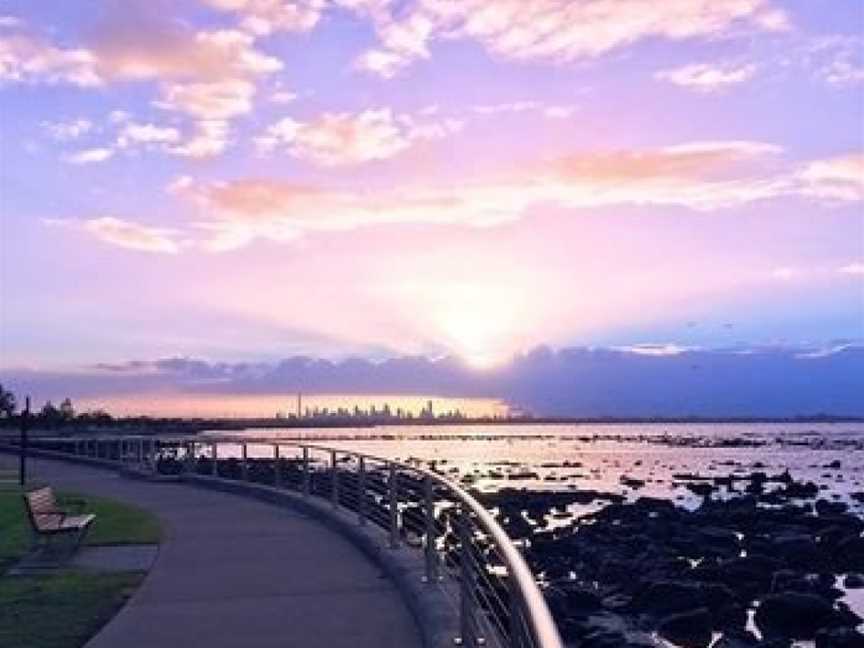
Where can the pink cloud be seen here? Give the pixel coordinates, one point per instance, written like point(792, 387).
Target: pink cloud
point(337, 139)
point(708, 77)
point(554, 30)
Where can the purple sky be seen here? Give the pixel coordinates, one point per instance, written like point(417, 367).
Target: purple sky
point(246, 180)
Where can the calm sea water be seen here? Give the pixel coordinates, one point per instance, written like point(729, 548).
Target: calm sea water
point(600, 456)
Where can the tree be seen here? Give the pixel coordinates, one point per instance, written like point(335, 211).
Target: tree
point(67, 412)
point(7, 403)
point(49, 415)
point(95, 417)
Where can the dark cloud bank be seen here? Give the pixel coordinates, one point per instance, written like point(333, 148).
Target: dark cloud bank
point(767, 382)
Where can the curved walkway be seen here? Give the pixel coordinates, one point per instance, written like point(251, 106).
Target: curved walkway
point(236, 572)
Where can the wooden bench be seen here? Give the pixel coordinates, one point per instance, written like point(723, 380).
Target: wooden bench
point(47, 519)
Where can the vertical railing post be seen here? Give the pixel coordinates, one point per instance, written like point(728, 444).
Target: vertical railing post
point(518, 638)
point(154, 455)
point(431, 536)
point(214, 455)
point(306, 477)
point(277, 466)
point(189, 464)
point(244, 464)
point(467, 619)
point(393, 498)
point(334, 480)
point(361, 492)
point(140, 453)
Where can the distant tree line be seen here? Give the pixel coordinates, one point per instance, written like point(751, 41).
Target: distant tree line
point(50, 415)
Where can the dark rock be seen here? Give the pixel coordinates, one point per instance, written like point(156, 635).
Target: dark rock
point(632, 482)
point(737, 639)
point(844, 617)
point(801, 490)
point(788, 580)
point(824, 507)
point(792, 614)
point(700, 488)
point(691, 629)
point(749, 576)
point(839, 638)
point(664, 597)
point(850, 553)
point(798, 550)
point(573, 601)
point(731, 618)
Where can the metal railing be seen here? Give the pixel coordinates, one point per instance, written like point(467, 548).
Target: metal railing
point(465, 551)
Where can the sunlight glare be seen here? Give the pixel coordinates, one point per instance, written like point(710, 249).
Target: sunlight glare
point(479, 324)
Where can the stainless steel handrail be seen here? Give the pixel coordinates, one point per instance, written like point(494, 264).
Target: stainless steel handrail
point(526, 599)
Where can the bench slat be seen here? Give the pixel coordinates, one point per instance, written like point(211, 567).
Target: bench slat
point(47, 518)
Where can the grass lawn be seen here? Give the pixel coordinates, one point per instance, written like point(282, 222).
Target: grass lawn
point(117, 523)
point(61, 610)
point(65, 608)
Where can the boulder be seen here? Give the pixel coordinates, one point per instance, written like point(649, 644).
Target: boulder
point(665, 597)
point(690, 629)
point(850, 553)
point(792, 614)
point(839, 638)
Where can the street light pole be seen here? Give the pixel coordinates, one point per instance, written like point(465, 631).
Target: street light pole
point(22, 455)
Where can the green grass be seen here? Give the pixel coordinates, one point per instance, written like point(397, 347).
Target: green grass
point(14, 528)
point(117, 523)
point(65, 608)
point(61, 610)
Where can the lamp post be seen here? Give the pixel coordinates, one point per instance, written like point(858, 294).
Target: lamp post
point(22, 454)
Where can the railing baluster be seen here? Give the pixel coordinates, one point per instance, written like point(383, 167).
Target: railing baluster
point(393, 493)
point(154, 455)
point(306, 477)
point(244, 464)
point(431, 538)
point(334, 480)
point(277, 467)
point(467, 583)
point(190, 457)
point(361, 492)
point(214, 453)
point(518, 638)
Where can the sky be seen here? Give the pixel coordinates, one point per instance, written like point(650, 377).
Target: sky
point(243, 181)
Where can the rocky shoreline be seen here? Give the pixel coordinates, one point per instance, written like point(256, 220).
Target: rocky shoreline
point(763, 566)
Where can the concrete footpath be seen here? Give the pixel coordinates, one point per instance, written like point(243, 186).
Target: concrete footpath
point(235, 572)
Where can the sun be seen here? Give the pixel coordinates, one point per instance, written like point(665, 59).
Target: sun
point(478, 326)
